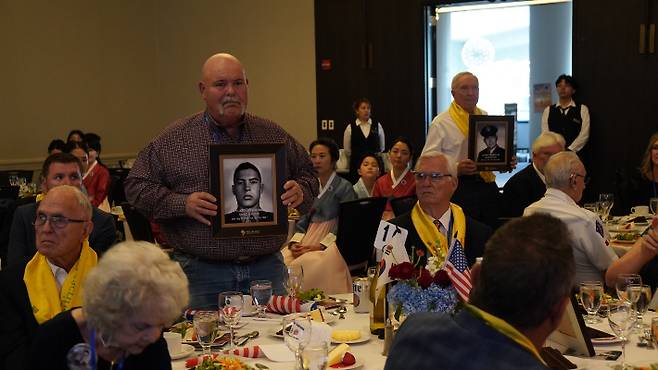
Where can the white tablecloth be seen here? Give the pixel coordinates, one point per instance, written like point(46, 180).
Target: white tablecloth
point(369, 352)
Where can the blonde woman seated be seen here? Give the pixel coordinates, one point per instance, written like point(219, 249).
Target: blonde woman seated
point(313, 247)
point(369, 172)
point(134, 292)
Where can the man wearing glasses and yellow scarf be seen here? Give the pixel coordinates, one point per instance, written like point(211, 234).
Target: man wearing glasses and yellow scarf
point(51, 281)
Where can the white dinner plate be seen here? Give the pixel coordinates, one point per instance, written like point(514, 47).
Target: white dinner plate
point(248, 313)
point(365, 336)
point(356, 365)
point(185, 350)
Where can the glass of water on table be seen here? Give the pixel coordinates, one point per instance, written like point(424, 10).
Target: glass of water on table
point(261, 292)
point(230, 307)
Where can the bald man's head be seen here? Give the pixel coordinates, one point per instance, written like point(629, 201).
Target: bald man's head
point(223, 87)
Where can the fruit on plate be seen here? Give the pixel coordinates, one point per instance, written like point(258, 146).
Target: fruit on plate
point(215, 362)
point(317, 315)
point(336, 354)
point(345, 335)
point(348, 360)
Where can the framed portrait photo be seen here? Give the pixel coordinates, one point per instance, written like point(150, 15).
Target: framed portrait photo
point(491, 142)
point(248, 182)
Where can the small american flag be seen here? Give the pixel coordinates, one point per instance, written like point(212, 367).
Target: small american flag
point(457, 268)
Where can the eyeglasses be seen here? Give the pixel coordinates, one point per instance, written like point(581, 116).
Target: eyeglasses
point(585, 177)
point(58, 222)
point(434, 176)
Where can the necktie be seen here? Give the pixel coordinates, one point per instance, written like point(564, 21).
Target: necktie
point(439, 226)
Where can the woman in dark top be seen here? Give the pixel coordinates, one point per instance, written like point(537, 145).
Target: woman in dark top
point(642, 185)
point(133, 293)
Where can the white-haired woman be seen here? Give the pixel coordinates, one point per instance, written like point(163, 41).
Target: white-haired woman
point(134, 292)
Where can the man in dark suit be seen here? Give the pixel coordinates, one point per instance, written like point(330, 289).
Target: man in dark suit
point(247, 188)
point(51, 282)
point(492, 153)
point(436, 181)
point(518, 299)
point(528, 185)
point(58, 169)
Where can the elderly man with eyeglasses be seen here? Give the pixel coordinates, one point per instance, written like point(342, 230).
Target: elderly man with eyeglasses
point(51, 281)
point(434, 221)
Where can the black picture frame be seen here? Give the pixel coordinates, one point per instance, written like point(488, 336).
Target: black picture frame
point(499, 158)
point(271, 218)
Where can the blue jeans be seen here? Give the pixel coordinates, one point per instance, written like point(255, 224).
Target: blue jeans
point(209, 278)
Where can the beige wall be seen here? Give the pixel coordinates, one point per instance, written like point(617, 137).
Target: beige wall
point(125, 69)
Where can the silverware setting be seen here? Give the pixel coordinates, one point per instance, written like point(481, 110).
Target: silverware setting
point(242, 339)
point(340, 312)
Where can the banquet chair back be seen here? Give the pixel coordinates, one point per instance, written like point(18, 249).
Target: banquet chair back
point(358, 222)
point(116, 194)
point(403, 205)
point(140, 227)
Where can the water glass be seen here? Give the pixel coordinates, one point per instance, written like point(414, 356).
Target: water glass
point(621, 319)
point(642, 304)
point(297, 335)
point(606, 202)
point(261, 293)
point(206, 325)
point(230, 306)
point(591, 294)
point(315, 357)
point(295, 280)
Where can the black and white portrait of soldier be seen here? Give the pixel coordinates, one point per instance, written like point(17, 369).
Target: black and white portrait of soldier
point(493, 152)
point(248, 187)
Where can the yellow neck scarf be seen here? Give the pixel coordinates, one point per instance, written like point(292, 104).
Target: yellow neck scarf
point(460, 117)
point(505, 329)
point(42, 288)
point(436, 243)
point(40, 197)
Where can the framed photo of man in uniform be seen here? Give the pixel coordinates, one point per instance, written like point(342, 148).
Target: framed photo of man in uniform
point(491, 142)
point(247, 181)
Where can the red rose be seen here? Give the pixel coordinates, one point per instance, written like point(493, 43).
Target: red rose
point(442, 279)
point(401, 271)
point(424, 279)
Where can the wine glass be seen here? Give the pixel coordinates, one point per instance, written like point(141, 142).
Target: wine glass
point(230, 307)
point(606, 200)
point(261, 292)
point(295, 279)
point(642, 305)
point(205, 326)
point(297, 335)
point(591, 293)
point(653, 205)
point(622, 284)
point(621, 319)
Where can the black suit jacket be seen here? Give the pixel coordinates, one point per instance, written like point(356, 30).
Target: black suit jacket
point(521, 190)
point(477, 235)
point(498, 155)
point(22, 243)
point(18, 323)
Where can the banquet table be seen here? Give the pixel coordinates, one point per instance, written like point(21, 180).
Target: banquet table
point(369, 352)
point(636, 356)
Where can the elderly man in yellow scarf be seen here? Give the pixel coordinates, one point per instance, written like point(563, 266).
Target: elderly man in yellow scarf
point(51, 281)
point(435, 222)
point(477, 193)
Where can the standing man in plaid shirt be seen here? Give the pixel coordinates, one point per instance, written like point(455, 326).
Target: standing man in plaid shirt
point(169, 183)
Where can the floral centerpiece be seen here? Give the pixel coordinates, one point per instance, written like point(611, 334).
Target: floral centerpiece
point(422, 288)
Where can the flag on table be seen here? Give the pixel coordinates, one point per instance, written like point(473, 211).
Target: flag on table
point(457, 267)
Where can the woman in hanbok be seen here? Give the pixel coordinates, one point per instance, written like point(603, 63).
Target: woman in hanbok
point(400, 182)
point(97, 177)
point(313, 247)
point(368, 173)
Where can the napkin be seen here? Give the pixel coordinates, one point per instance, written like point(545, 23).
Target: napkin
point(251, 352)
point(284, 305)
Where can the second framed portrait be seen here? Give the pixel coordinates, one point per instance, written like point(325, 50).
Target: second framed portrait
point(491, 142)
point(248, 180)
